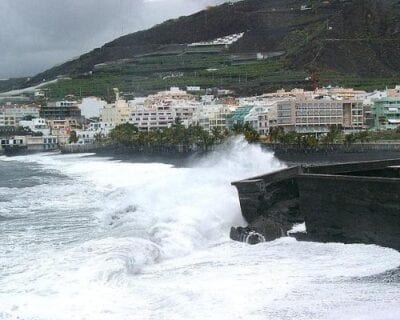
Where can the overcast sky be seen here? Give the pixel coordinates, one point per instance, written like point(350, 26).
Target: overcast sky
point(38, 34)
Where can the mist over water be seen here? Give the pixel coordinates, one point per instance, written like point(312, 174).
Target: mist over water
point(94, 238)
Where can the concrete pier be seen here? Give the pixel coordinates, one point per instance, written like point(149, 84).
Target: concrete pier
point(349, 203)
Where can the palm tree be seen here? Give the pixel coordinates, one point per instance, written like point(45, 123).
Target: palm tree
point(73, 137)
point(125, 134)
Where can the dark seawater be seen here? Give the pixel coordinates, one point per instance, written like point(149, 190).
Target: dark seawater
point(16, 175)
point(94, 238)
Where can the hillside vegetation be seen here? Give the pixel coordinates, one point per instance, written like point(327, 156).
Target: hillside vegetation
point(354, 42)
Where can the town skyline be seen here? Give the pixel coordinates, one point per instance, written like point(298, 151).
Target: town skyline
point(282, 116)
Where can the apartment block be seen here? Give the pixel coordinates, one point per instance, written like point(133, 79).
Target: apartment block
point(317, 115)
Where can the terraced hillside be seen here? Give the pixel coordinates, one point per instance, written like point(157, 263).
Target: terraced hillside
point(353, 42)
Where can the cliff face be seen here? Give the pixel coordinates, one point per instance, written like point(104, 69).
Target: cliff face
point(361, 37)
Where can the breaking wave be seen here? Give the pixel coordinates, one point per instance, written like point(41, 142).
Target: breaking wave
point(106, 239)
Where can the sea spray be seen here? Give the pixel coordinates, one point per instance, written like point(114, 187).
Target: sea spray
point(97, 238)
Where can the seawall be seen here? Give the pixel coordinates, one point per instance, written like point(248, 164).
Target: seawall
point(124, 150)
point(348, 203)
point(336, 153)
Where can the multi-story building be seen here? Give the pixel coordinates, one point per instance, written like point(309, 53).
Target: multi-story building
point(12, 142)
point(7, 120)
point(237, 117)
point(160, 111)
point(317, 115)
point(62, 128)
point(394, 92)
point(157, 111)
point(86, 136)
point(116, 113)
point(146, 118)
point(213, 116)
point(36, 125)
point(12, 114)
point(101, 128)
point(386, 113)
point(261, 118)
point(185, 110)
point(163, 97)
point(28, 142)
point(339, 92)
point(61, 110)
point(42, 143)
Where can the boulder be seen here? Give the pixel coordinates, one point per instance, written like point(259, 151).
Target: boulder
point(269, 228)
point(246, 235)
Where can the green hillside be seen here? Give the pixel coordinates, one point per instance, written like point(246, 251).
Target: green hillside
point(353, 42)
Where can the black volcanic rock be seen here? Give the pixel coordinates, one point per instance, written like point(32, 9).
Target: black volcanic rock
point(246, 235)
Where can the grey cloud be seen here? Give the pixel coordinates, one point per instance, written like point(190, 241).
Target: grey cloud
point(37, 34)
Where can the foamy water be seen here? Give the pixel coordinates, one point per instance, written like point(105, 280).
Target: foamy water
point(92, 238)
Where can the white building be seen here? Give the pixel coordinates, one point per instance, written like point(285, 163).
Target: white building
point(160, 111)
point(7, 120)
point(259, 118)
point(101, 128)
point(11, 115)
point(193, 88)
point(30, 143)
point(116, 113)
point(157, 111)
point(86, 136)
point(42, 143)
point(36, 125)
point(152, 117)
point(185, 110)
point(223, 41)
point(173, 94)
point(10, 142)
point(92, 132)
point(213, 116)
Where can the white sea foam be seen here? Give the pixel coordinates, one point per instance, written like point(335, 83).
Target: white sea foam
point(119, 240)
point(298, 228)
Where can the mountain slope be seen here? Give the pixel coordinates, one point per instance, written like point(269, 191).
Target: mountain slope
point(358, 37)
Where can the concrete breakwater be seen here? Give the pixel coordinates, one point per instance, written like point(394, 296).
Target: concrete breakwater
point(101, 149)
point(349, 203)
point(336, 147)
point(291, 153)
point(336, 153)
